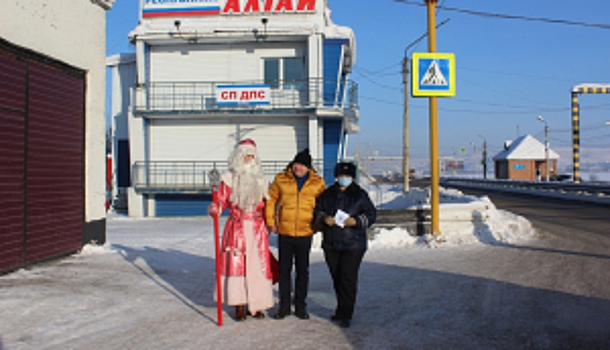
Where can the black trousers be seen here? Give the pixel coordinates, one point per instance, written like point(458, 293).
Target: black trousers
point(294, 250)
point(344, 266)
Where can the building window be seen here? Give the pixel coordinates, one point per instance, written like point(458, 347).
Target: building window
point(290, 69)
point(272, 72)
point(293, 73)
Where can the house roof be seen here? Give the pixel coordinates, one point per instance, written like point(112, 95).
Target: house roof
point(524, 147)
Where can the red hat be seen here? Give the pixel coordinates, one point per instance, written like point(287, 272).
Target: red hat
point(248, 142)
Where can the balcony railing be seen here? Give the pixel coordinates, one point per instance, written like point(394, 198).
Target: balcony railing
point(193, 176)
point(201, 97)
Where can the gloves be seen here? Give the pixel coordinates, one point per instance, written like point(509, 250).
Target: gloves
point(330, 221)
point(213, 209)
point(350, 222)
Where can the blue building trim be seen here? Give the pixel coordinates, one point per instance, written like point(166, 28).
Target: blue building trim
point(182, 205)
point(167, 205)
point(332, 57)
point(333, 129)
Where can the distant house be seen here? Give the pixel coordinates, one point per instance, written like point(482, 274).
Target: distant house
point(524, 159)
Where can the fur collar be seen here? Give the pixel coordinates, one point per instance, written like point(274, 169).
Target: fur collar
point(353, 190)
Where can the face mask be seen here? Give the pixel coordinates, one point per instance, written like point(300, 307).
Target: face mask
point(344, 181)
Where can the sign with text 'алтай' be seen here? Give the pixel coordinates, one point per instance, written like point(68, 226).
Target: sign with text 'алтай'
point(433, 74)
point(182, 8)
point(242, 95)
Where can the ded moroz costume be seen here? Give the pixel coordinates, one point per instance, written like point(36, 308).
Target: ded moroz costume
point(246, 276)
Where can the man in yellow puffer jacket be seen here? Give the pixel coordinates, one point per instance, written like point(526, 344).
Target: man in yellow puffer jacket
point(289, 212)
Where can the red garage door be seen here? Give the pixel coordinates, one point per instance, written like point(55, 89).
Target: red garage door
point(12, 159)
point(41, 157)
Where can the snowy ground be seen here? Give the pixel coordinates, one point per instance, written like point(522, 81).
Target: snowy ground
point(493, 284)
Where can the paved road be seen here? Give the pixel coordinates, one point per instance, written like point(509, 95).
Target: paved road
point(547, 214)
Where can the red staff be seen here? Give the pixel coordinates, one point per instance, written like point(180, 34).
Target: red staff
point(214, 176)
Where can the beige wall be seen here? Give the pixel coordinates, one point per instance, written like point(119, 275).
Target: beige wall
point(74, 32)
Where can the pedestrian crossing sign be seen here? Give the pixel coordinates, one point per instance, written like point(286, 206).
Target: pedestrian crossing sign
point(433, 74)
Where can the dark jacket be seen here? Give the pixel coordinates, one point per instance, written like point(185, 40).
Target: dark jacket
point(354, 201)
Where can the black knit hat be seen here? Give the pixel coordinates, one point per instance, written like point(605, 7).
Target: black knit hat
point(303, 157)
point(345, 169)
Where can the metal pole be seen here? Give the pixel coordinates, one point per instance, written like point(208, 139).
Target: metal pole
point(484, 161)
point(405, 149)
point(434, 166)
point(546, 150)
point(474, 156)
point(575, 138)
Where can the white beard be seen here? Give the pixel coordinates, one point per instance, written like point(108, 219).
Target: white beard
point(247, 189)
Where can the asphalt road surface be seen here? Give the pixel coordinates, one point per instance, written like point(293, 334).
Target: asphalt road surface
point(547, 214)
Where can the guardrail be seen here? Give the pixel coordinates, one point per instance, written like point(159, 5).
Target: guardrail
point(587, 192)
point(200, 97)
point(191, 176)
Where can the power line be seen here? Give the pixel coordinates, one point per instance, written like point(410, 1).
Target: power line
point(370, 72)
point(380, 100)
point(376, 83)
point(505, 16)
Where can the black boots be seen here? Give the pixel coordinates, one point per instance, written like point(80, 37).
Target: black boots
point(302, 314)
point(281, 313)
point(240, 312)
point(343, 322)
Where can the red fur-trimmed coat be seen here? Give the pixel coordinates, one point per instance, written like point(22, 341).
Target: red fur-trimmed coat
point(233, 246)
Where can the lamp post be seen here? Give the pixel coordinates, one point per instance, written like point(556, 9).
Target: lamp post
point(405, 80)
point(484, 157)
point(546, 147)
point(405, 146)
point(474, 155)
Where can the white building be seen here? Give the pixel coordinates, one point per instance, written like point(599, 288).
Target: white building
point(209, 73)
point(52, 154)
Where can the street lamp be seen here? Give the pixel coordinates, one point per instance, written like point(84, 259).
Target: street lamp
point(484, 157)
point(546, 147)
point(405, 80)
point(474, 154)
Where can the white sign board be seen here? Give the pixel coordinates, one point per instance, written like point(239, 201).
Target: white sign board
point(182, 8)
point(242, 95)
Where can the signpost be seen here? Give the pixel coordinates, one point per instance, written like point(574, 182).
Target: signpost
point(433, 76)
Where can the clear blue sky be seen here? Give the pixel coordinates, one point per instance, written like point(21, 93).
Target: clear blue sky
point(509, 71)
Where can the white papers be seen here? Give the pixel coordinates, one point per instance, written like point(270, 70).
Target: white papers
point(340, 217)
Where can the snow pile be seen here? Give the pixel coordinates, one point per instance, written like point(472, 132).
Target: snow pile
point(463, 220)
point(92, 249)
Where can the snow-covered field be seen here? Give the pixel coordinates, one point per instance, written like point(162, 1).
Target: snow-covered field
point(493, 282)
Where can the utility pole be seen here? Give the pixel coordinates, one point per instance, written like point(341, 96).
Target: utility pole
point(484, 157)
point(405, 146)
point(546, 148)
point(484, 160)
point(474, 155)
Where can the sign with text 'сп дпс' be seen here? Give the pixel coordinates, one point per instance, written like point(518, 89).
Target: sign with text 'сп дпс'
point(242, 95)
point(433, 74)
